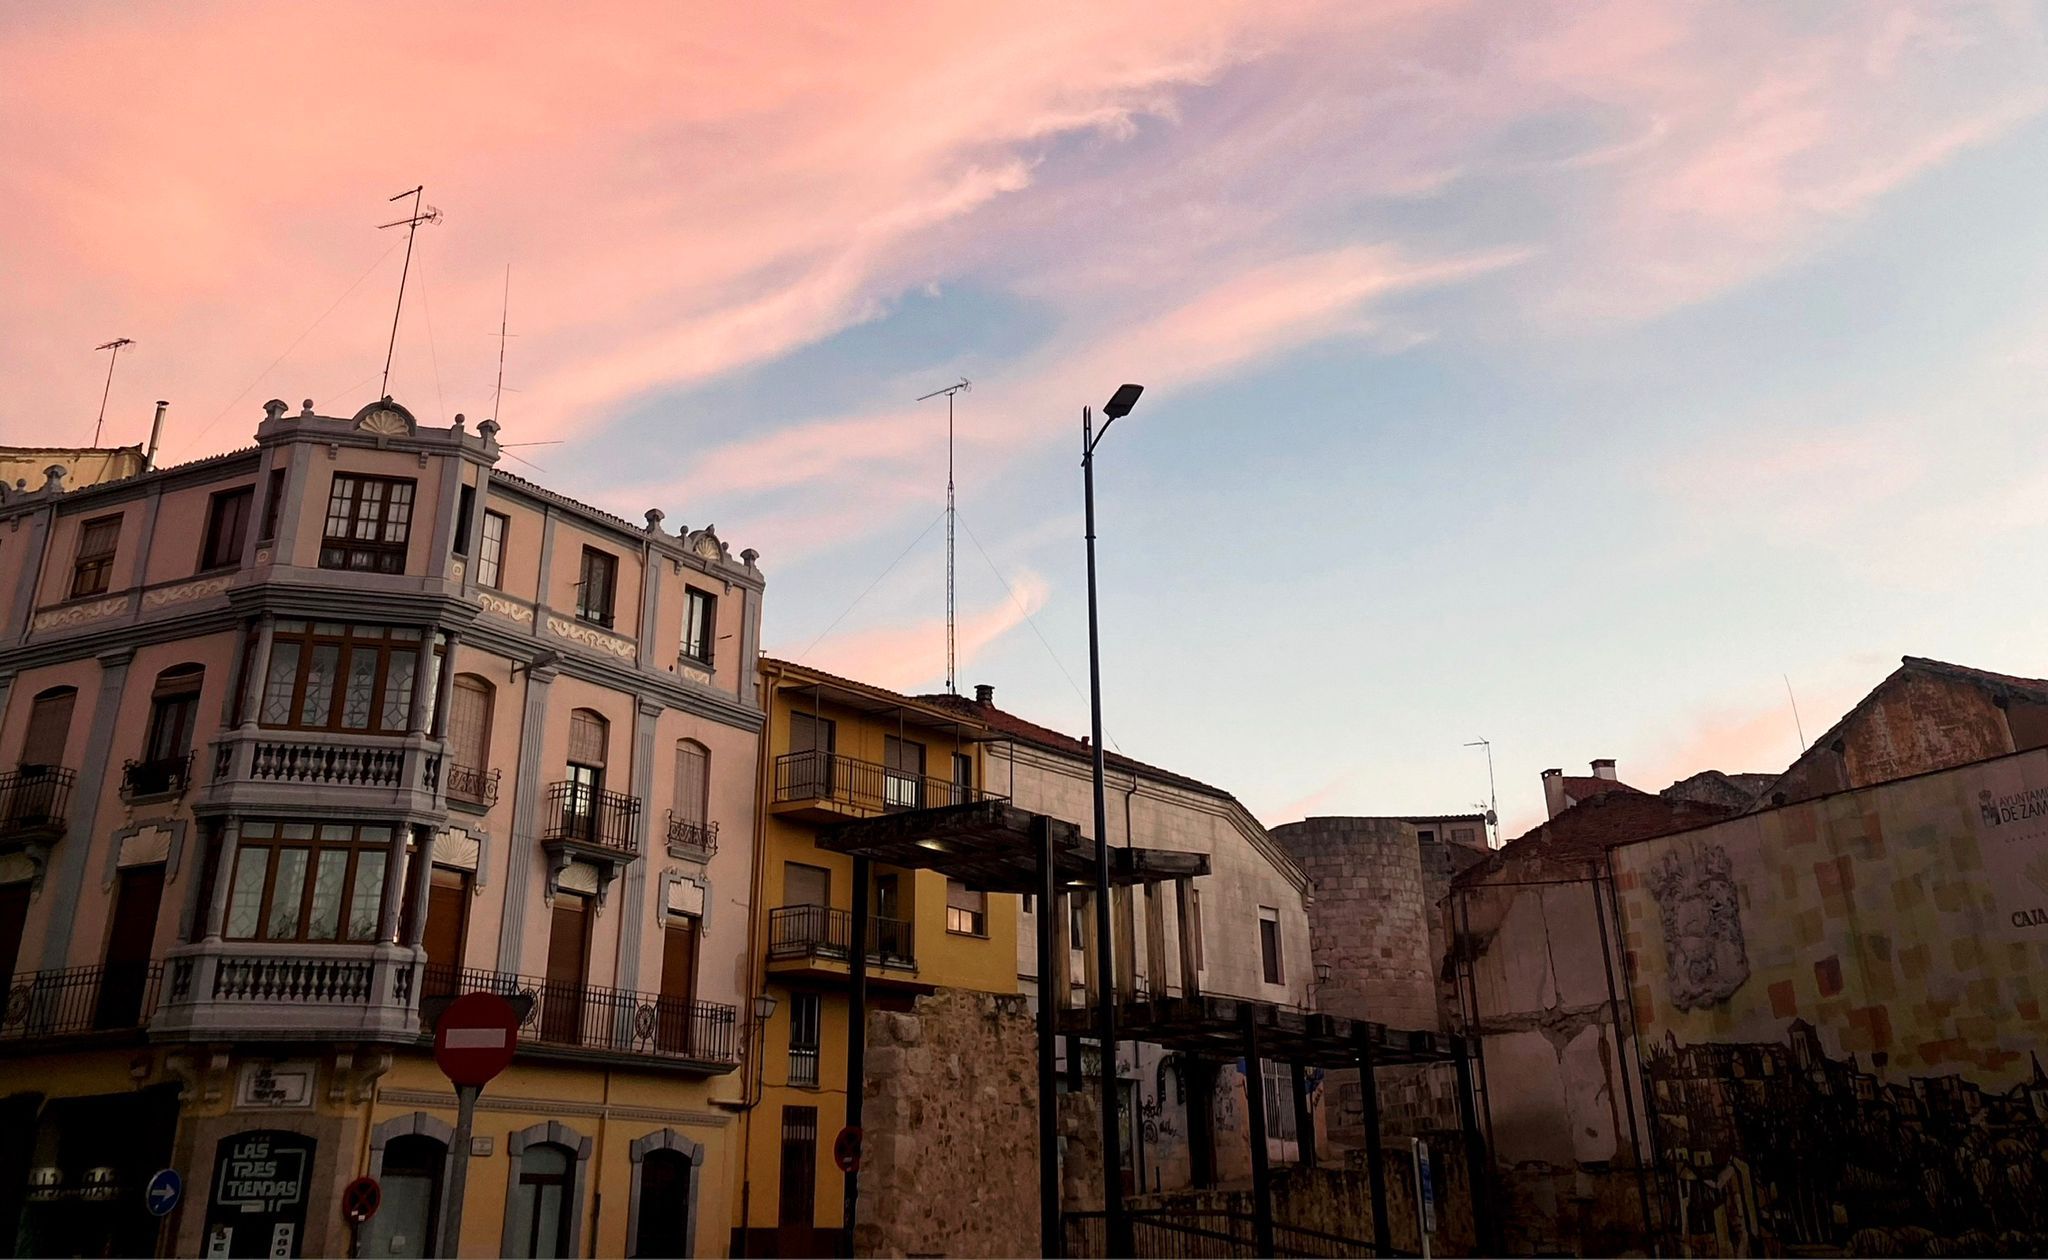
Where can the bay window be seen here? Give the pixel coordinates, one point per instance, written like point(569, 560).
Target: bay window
point(296, 881)
point(332, 676)
point(369, 520)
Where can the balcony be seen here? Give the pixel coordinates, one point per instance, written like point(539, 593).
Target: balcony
point(314, 770)
point(475, 789)
point(816, 940)
point(690, 839)
point(35, 807)
point(587, 1022)
point(164, 778)
point(42, 1006)
point(241, 990)
point(826, 787)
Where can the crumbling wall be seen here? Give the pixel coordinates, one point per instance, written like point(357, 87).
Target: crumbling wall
point(950, 1165)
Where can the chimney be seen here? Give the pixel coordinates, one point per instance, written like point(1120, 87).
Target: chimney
point(984, 693)
point(156, 432)
point(1603, 768)
point(1553, 792)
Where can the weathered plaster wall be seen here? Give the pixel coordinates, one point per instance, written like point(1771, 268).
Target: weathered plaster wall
point(951, 1120)
point(1840, 1005)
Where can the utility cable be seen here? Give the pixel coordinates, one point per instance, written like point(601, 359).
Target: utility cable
point(872, 585)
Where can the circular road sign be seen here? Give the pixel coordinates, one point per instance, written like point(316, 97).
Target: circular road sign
point(164, 1191)
point(475, 1038)
point(360, 1199)
point(846, 1149)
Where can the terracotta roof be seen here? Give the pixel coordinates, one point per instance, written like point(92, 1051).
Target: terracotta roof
point(1026, 731)
point(852, 684)
point(1594, 826)
point(1584, 787)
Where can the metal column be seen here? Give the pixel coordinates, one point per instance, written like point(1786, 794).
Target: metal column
point(1304, 1122)
point(1476, 1157)
point(1255, 1106)
point(1375, 1161)
point(1049, 1002)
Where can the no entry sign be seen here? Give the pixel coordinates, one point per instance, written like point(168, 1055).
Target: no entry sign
point(360, 1199)
point(476, 1037)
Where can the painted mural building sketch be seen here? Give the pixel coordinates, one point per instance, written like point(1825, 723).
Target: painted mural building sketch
point(1701, 915)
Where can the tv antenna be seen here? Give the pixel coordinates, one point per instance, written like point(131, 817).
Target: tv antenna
point(412, 226)
point(116, 345)
point(504, 316)
point(1797, 725)
point(1492, 797)
point(951, 660)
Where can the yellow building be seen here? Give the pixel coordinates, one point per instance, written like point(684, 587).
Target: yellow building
point(302, 740)
point(835, 751)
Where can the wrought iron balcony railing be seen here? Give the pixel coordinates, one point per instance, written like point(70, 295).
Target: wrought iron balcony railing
point(74, 1000)
point(34, 800)
point(605, 1021)
point(864, 785)
point(471, 786)
point(161, 776)
point(592, 819)
point(697, 837)
point(823, 932)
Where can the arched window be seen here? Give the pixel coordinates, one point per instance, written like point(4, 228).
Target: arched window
point(693, 790)
point(542, 1202)
point(589, 734)
point(49, 727)
point(408, 1222)
point(663, 1212)
point(165, 764)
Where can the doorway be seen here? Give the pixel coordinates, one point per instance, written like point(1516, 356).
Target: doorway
point(124, 983)
point(561, 1020)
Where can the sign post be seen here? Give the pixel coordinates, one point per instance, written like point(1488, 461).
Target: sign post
point(473, 1042)
point(1425, 1193)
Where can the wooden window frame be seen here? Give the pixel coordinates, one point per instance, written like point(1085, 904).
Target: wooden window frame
point(273, 505)
point(210, 544)
point(347, 639)
point(893, 774)
point(604, 562)
point(802, 1051)
point(966, 920)
point(254, 839)
point(490, 551)
point(700, 625)
point(382, 553)
point(92, 572)
point(1273, 962)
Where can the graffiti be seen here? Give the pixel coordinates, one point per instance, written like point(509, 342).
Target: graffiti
point(1777, 1146)
point(1702, 918)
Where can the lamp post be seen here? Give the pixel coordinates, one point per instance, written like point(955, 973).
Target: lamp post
point(764, 1010)
point(1116, 1225)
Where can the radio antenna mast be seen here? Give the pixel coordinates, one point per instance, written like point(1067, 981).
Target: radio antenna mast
point(952, 689)
point(412, 227)
point(1492, 795)
point(504, 318)
point(115, 345)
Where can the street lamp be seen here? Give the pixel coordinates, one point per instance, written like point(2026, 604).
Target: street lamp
point(1116, 1226)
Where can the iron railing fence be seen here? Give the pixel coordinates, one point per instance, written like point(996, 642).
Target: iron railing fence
point(105, 998)
point(35, 798)
point(478, 787)
point(822, 932)
point(865, 785)
point(579, 812)
point(162, 776)
point(612, 1021)
point(685, 833)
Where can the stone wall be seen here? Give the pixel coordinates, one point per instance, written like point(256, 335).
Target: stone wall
point(1368, 922)
point(951, 1119)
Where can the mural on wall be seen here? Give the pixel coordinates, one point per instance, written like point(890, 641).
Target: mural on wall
point(1779, 1142)
point(1702, 919)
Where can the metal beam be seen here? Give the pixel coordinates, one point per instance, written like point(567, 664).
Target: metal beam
point(1255, 1106)
point(1304, 1122)
point(1375, 1160)
point(1049, 922)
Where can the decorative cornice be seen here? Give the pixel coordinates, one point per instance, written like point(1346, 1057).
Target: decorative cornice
point(591, 637)
point(165, 596)
point(79, 614)
point(499, 606)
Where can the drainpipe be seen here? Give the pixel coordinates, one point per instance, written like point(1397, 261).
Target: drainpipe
point(763, 782)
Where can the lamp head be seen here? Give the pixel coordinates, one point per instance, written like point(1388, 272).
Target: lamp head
point(764, 1007)
point(1121, 402)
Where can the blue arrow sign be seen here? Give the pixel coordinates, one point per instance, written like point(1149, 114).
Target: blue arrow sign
point(165, 1189)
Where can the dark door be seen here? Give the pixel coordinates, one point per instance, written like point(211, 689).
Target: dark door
point(797, 1208)
point(678, 1000)
point(811, 743)
point(13, 918)
point(447, 927)
point(892, 935)
point(124, 984)
point(586, 790)
point(561, 1020)
point(49, 726)
point(664, 1207)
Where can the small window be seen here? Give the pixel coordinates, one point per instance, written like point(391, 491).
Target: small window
point(490, 563)
point(1427, 835)
point(804, 1018)
point(369, 521)
point(700, 624)
point(94, 568)
point(273, 505)
point(1269, 944)
point(596, 586)
point(1464, 835)
point(903, 775)
point(966, 910)
point(1077, 923)
point(227, 527)
point(465, 507)
point(963, 778)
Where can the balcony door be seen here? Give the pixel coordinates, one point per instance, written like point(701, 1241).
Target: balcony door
point(49, 727)
point(903, 782)
point(13, 918)
point(33, 798)
point(124, 983)
point(589, 734)
point(892, 934)
point(812, 741)
point(672, 1025)
point(561, 1020)
point(446, 929)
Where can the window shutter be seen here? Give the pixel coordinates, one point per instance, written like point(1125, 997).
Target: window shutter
point(693, 768)
point(469, 723)
point(586, 738)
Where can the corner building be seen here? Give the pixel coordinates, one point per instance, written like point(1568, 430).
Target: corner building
point(303, 740)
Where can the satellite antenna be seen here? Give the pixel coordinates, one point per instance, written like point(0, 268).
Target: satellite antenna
point(1493, 797)
point(949, 391)
point(116, 346)
point(412, 227)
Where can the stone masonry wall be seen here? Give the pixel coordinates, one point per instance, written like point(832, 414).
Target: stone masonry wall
point(1369, 919)
point(951, 1120)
